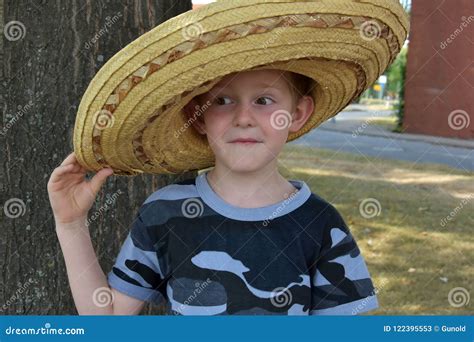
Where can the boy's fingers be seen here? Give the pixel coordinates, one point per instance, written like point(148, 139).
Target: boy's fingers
point(71, 158)
point(99, 178)
point(61, 170)
point(59, 174)
point(73, 168)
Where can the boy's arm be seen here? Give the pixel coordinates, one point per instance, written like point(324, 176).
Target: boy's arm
point(91, 292)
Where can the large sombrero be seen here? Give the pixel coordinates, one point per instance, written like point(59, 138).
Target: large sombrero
point(131, 116)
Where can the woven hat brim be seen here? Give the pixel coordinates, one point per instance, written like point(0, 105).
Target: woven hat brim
point(131, 117)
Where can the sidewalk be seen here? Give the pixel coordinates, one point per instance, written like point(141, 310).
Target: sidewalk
point(358, 122)
point(369, 133)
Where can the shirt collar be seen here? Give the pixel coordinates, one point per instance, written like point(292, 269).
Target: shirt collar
point(226, 209)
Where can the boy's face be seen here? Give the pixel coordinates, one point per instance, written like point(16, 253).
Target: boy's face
point(256, 105)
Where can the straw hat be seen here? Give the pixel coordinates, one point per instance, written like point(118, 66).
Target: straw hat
point(131, 116)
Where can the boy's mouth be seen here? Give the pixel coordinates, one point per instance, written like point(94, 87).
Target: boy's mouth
point(244, 141)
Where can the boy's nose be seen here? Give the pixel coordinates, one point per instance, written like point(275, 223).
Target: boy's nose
point(243, 116)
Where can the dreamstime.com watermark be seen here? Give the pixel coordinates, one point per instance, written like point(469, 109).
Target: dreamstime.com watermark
point(277, 32)
point(14, 30)
point(199, 110)
point(279, 209)
point(444, 221)
point(14, 207)
point(281, 297)
point(459, 119)
point(464, 24)
point(367, 300)
point(458, 297)
point(370, 208)
point(21, 111)
point(18, 293)
point(103, 119)
point(192, 31)
point(108, 203)
point(281, 119)
point(357, 131)
point(103, 30)
point(370, 30)
point(192, 208)
point(102, 297)
point(46, 330)
point(200, 287)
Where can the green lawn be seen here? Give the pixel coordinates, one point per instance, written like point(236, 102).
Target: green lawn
point(389, 123)
point(414, 260)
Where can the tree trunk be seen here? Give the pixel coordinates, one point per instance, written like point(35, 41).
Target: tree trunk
point(49, 55)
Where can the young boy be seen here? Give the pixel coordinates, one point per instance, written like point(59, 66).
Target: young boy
point(238, 239)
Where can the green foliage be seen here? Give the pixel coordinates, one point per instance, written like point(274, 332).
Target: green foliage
point(396, 83)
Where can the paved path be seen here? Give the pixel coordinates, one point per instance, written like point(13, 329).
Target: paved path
point(342, 134)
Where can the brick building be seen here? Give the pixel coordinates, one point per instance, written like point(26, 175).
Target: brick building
point(439, 89)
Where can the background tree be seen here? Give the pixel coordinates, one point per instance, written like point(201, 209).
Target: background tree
point(396, 84)
point(50, 52)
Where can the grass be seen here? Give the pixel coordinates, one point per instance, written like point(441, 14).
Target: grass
point(378, 104)
point(388, 123)
point(414, 260)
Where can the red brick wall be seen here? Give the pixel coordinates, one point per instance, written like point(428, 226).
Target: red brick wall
point(439, 91)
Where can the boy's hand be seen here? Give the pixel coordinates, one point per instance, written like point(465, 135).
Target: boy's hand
point(70, 194)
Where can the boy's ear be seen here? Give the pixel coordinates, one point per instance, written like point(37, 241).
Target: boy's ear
point(195, 116)
point(302, 112)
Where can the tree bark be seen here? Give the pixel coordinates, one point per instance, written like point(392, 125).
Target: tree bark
point(49, 55)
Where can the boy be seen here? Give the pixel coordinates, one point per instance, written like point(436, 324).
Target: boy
point(238, 239)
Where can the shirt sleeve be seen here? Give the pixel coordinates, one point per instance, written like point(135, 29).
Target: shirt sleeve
point(340, 280)
point(140, 268)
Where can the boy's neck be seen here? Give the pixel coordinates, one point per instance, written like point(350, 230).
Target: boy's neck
point(250, 189)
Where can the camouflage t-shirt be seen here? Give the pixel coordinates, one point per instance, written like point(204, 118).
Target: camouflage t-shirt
point(199, 255)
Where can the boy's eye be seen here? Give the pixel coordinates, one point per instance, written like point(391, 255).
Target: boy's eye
point(224, 100)
point(259, 100)
point(221, 100)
